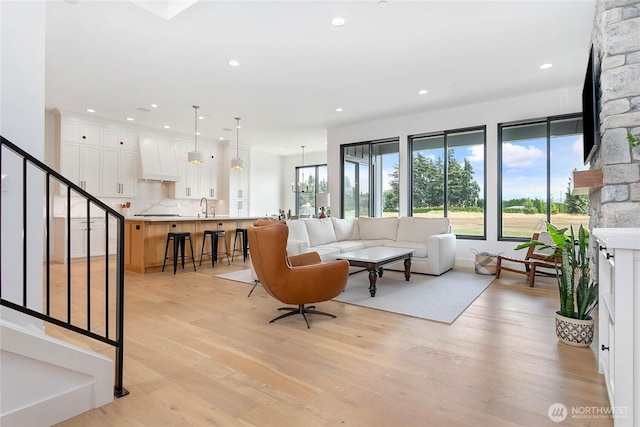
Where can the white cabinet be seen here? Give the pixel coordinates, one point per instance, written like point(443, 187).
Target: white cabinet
point(209, 180)
point(79, 132)
point(102, 161)
point(82, 165)
point(119, 163)
point(196, 180)
point(118, 172)
point(189, 185)
point(116, 138)
point(87, 237)
point(618, 327)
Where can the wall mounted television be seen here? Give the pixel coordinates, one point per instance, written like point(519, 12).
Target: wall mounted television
point(591, 107)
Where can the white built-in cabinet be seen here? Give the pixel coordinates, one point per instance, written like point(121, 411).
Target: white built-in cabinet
point(119, 163)
point(81, 154)
point(102, 161)
point(197, 180)
point(619, 321)
point(80, 245)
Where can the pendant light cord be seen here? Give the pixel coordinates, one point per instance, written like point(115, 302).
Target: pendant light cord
point(195, 107)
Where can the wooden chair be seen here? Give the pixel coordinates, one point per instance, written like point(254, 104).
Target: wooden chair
point(535, 259)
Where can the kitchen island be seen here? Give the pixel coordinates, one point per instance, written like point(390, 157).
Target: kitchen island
point(145, 237)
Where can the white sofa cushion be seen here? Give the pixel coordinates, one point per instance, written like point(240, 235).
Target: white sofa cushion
point(415, 229)
point(378, 228)
point(320, 231)
point(346, 229)
point(344, 246)
point(297, 230)
point(421, 248)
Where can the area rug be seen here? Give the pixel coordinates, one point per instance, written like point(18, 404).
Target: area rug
point(243, 276)
point(439, 298)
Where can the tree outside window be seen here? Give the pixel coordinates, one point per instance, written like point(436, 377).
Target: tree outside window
point(537, 159)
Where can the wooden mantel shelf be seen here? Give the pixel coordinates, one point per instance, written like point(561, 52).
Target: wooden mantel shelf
point(583, 181)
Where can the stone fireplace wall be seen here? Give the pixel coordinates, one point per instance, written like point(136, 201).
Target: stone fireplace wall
point(616, 36)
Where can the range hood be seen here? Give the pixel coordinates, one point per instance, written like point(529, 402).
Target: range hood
point(158, 159)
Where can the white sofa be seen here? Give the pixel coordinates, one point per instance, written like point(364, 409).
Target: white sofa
point(432, 239)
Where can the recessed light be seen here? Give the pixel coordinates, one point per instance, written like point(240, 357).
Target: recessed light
point(382, 3)
point(423, 92)
point(339, 110)
point(338, 21)
point(90, 110)
point(226, 129)
point(143, 109)
point(166, 127)
point(154, 105)
point(130, 119)
point(545, 66)
point(221, 138)
point(200, 117)
point(233, 63)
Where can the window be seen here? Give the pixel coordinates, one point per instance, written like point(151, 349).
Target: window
point(368, 170)
point(311, 181)
point(448, 178)
point(536, 159)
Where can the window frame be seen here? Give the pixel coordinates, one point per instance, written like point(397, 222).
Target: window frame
point(372, 170)
point(445, 133)
point(547, 121)
point(316, 185)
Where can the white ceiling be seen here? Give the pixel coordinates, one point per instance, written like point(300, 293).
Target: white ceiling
point(296, 68)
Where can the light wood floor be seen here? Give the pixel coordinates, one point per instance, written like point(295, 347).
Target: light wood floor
point(198, 352)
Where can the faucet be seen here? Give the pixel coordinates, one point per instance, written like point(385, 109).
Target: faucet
point(206, 206)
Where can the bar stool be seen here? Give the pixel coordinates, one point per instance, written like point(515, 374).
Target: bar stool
point(179, 243)
point(214, 235)
point(244, 235)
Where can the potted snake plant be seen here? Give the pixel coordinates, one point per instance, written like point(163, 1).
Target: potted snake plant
point(578, 293)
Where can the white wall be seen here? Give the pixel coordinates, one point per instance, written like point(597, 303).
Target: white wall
point(266, 187)
point(489, 113)
point(22, 71)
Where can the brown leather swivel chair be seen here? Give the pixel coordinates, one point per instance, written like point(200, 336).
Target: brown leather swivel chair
point(301, 279)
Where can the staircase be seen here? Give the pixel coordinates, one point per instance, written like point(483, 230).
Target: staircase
point(44, 380)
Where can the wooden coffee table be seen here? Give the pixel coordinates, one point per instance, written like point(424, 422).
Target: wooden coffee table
point(375, 257)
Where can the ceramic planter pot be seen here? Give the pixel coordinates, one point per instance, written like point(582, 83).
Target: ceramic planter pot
point(574, 332)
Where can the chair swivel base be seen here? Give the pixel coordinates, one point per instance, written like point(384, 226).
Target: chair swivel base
point(301, 309)
point(255, 283)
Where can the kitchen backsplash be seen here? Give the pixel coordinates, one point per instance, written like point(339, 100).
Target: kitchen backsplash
point(153, 198)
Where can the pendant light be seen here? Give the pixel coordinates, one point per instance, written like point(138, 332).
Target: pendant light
point(237, 163)
point(302, 186)
point(195, 156)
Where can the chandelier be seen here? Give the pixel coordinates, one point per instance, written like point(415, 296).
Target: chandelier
point(237, 163)
point(195, 156)
point(302, 186)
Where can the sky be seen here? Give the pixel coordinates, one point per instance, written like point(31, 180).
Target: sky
point(523, 173)
point(522, 163)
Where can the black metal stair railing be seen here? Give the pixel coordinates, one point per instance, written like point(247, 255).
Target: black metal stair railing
point(104, 323)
